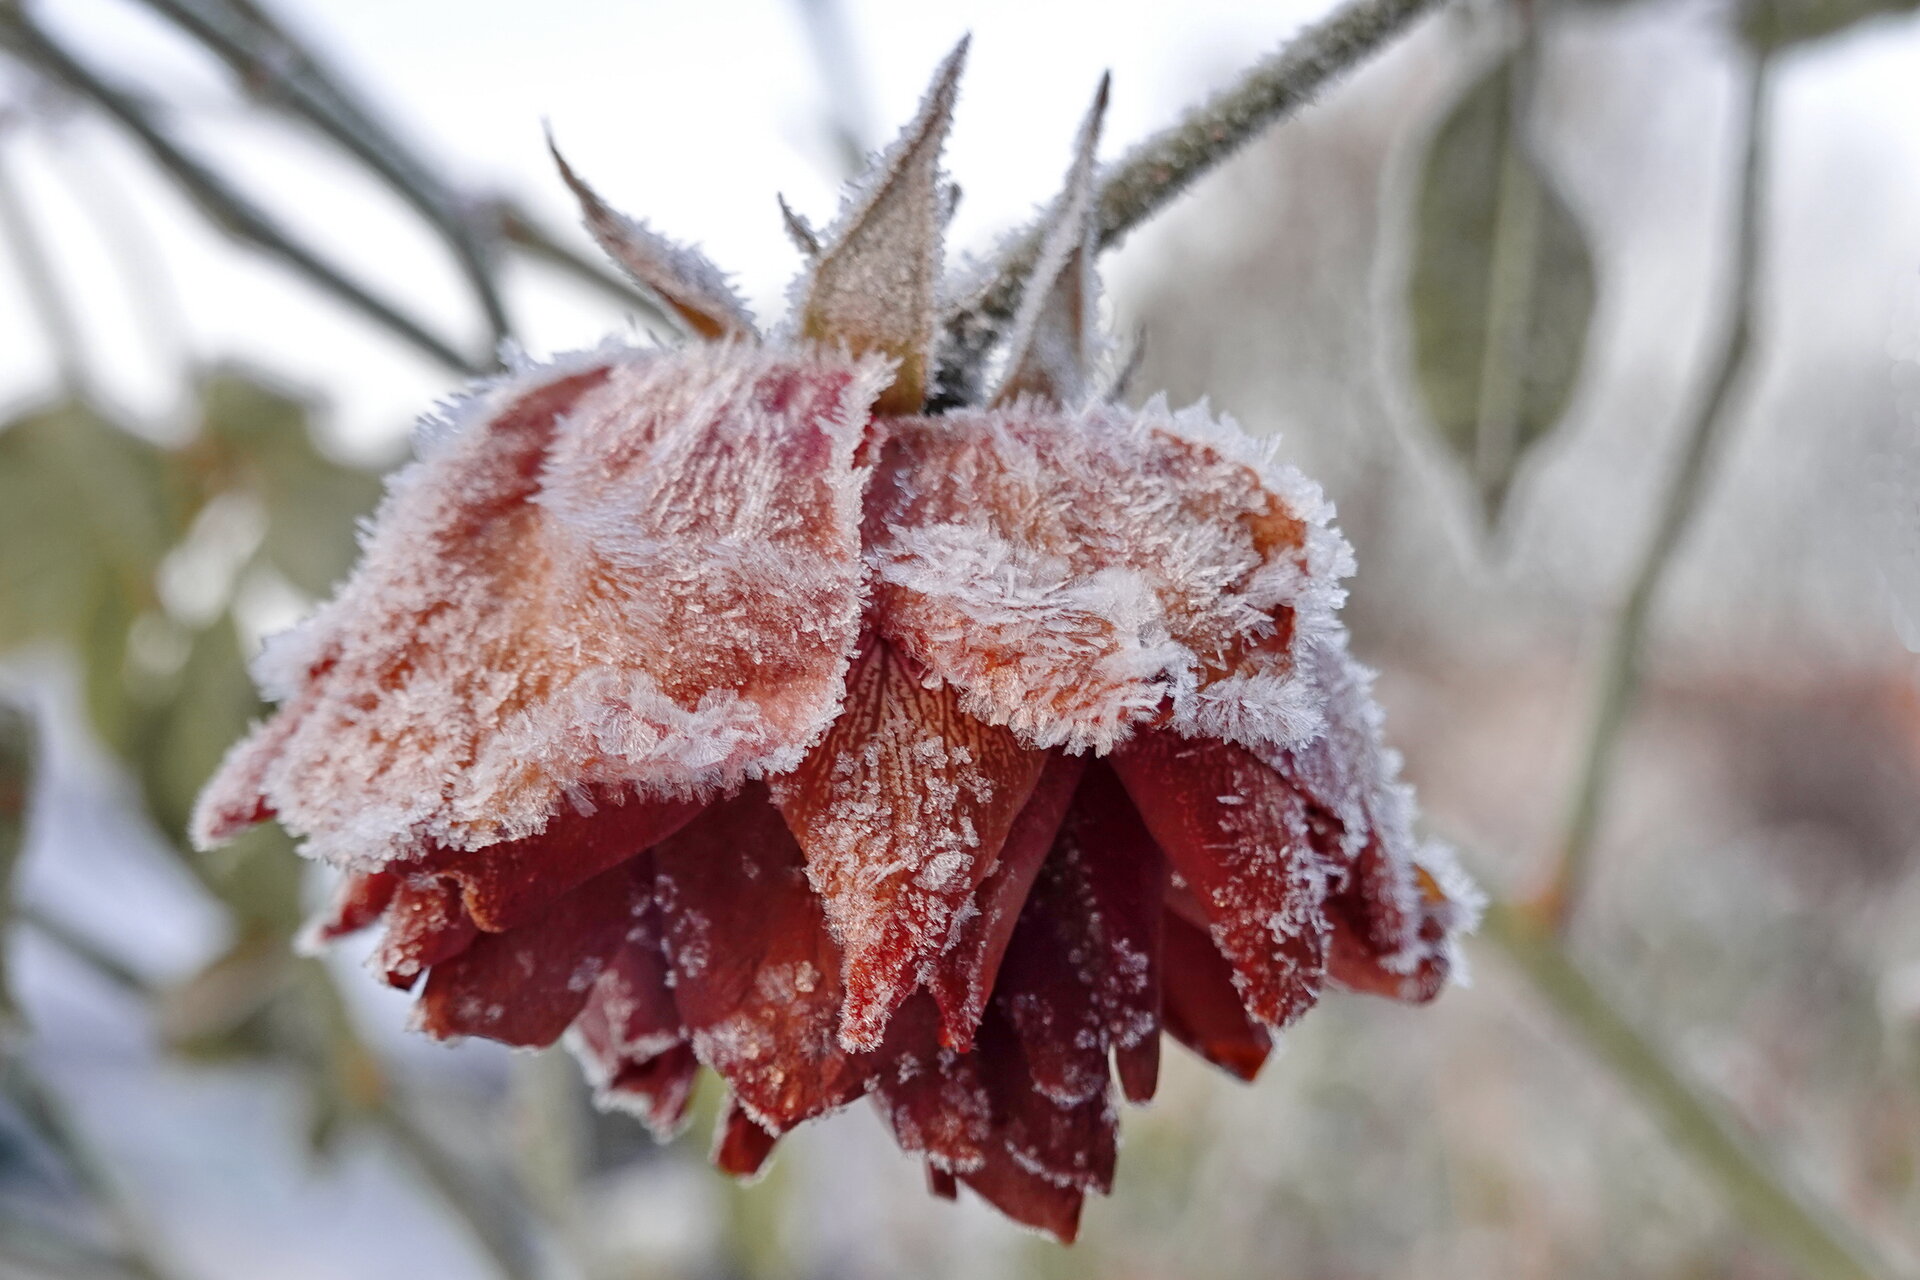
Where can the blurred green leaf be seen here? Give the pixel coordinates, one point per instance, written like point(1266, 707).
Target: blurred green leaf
point(1770, 24)
point(265, 440)
point(16, 787)
point(206, 707)
point(1501, 290)
point(87, 511)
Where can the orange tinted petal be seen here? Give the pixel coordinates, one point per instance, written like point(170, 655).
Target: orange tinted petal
point(1238, 834)
point(901, 810)
point(756, 974)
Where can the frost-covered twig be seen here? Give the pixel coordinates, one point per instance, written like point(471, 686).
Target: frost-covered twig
point(222, 204)
point(1158, 169)
point(1764, 1197)
point(267, 59)
point(1620, 672)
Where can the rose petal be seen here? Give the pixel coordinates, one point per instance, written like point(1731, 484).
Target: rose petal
point(1026, 1197)
point(524, 987)
point(1356, 959)
point(426, 926)
point(1201, 1008)
point(359, 900)
point(901, 810)
point(638, 576)
point(964, 975)
point(756, 974)
point(1079, 574)
point(1071, 1142)
point(1125, 880)
point(505, 885)
point(1048, 988)
point(1238, 834)
point(658, 1091)
point(741, 1144)
point(933, 1098)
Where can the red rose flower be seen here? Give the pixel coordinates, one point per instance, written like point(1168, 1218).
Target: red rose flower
point(722, 705)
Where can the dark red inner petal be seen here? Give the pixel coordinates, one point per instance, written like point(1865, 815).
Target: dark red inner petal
point(659, 1090)
point(742, 1145)
point(1074, 1143)
point(1026, 1197)
point(933, 1098)
point(1237, 833)
point(756, 974)
point(360, 899)
point(523, 987)
point(964, 976)
point(507, 884)
point(1048, 993)
point(1126, 891)
point(426, 926)
point(1357, 958)
point(1201, 1008)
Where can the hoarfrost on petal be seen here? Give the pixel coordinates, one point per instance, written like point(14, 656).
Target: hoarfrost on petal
point(901, 811)
point(1078, 574)
point(641, 577)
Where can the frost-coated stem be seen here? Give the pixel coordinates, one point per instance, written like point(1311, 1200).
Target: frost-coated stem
point(269, 61)
point(1148, 177)
point(1765, 1198)
point(37, 281)
point(1620, 673)
point(137, 1253)
point(221, 204)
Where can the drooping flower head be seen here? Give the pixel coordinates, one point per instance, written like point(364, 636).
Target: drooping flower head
point(722, 705)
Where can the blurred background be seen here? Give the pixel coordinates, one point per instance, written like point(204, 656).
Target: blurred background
point(1485, 288)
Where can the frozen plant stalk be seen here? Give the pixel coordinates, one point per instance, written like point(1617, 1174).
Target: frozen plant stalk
point(719, 705)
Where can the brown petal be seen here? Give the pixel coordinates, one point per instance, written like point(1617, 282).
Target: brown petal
point(740, 1144)
point(658, 1091)
point(901, 810)
point(359, 899)
point(1026, 1197)
point(1126, 888)
point(1238, 834)
point(964, 975)
point(756, 975)
point(630, 1021)
point(1071, 1142)
point(1357, 961)
point(933, 1098)
point(1202, 1010)
point(426, 926)
point(505, 885)
point(874, 284)
point(525, 986)
point(693, 289)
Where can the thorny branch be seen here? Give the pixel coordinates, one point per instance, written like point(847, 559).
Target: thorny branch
point(1620, 672)
point(1155, 171)
point(221, 203)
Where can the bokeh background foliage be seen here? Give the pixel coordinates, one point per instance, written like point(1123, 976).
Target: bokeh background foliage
point(1694, 1045)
